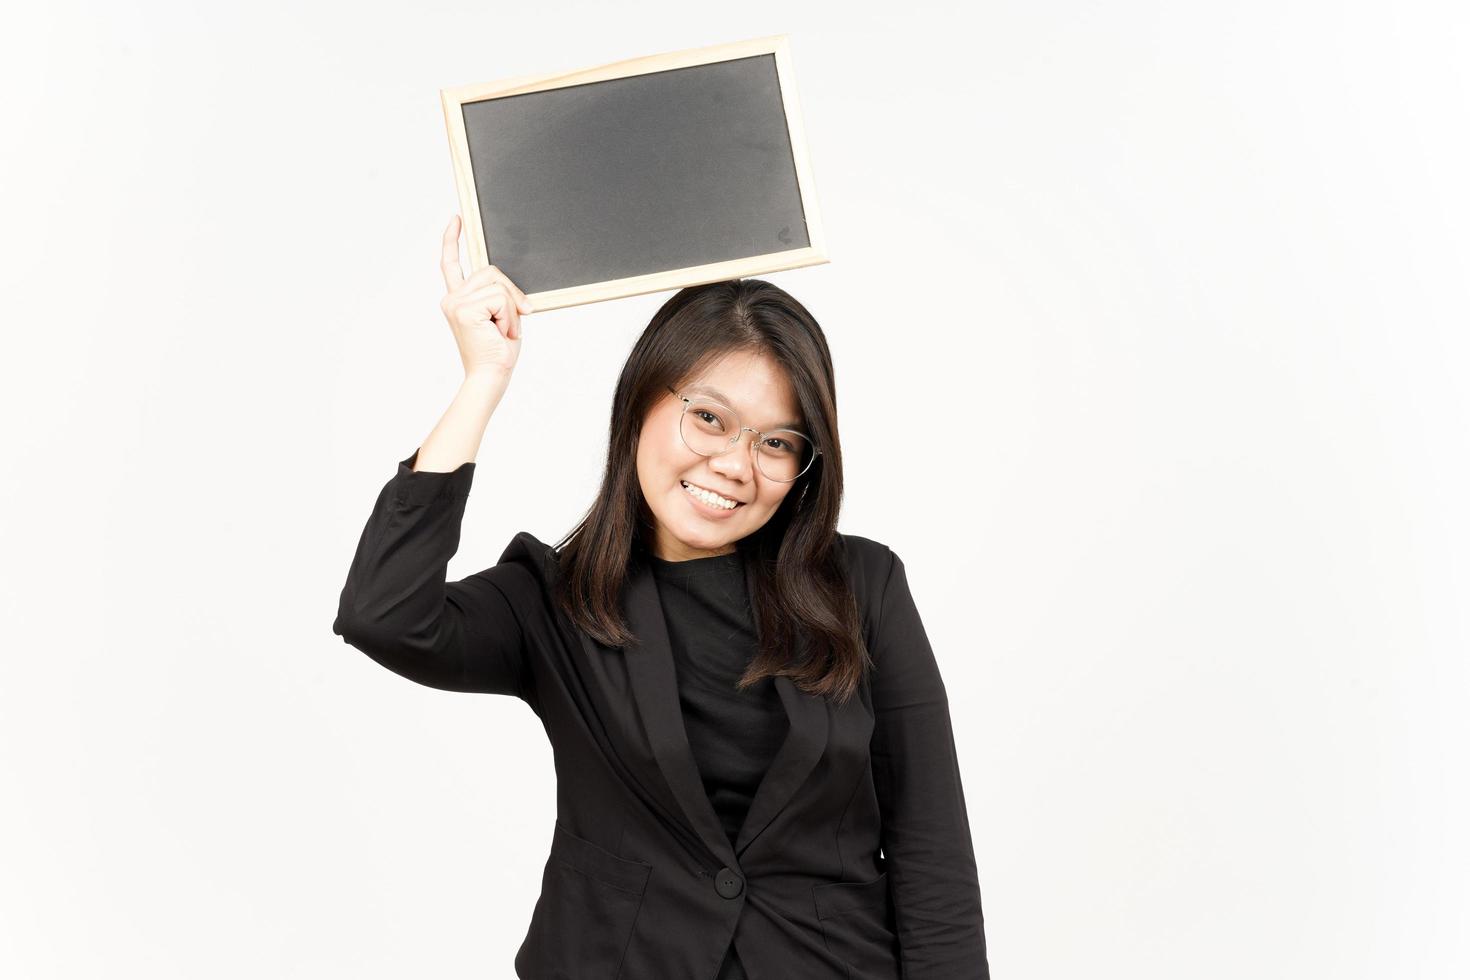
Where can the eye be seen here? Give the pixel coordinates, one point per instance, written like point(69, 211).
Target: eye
point(781, 445)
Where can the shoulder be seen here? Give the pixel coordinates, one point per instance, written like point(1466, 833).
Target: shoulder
point(528, 565)
point(525, 547)
point(865, 556)
point(868, 564)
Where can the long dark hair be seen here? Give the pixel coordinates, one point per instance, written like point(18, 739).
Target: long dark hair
point(799, 590)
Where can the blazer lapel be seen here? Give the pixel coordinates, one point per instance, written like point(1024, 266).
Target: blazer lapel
point(651, 671)
point(808, 719)
point(805, 741)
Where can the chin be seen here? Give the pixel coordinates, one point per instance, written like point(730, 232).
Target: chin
point(695, 533)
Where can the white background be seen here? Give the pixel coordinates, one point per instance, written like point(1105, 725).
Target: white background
point(1150, 321)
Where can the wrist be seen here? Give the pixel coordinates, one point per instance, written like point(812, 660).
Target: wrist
point(486, 380)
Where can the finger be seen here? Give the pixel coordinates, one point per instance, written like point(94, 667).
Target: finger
point(491, 301)
point(449, 256)
point(491, 293)
point(506, 315)
point(496, 274)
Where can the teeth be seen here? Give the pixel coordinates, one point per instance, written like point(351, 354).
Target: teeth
point(708, 496)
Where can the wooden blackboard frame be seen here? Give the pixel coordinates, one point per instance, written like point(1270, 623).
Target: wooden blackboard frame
point(778, 45)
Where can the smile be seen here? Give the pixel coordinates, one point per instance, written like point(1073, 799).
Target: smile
point(709, 497)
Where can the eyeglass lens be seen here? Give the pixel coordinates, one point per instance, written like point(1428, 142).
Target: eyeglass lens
point(709, 428)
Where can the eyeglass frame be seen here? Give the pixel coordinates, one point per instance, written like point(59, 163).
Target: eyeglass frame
point(739, 433)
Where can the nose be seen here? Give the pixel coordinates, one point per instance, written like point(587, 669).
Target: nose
point(738, 464)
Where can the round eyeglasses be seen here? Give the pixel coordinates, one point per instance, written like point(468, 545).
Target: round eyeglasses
point(711, 428)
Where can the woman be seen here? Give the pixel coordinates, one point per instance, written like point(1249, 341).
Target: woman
point(756, 769)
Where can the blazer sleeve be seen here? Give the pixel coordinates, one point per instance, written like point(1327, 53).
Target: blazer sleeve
point(398, 608)
point(930, 858)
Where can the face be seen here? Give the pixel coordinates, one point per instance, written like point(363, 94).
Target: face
point(686, 527)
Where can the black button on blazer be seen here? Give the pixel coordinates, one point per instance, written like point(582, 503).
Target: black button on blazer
point(642, 882)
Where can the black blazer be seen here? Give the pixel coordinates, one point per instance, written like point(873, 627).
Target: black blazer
point(642, 881)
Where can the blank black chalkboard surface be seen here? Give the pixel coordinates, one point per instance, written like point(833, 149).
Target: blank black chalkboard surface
point(654, 173)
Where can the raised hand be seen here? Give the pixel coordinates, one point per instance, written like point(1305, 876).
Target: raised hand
point(484, 311)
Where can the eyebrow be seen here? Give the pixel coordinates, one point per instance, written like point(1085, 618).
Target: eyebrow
point(726, 399)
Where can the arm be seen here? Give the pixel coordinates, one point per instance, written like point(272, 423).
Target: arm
point(930, 858)
point(398, 609)
point(396, 606)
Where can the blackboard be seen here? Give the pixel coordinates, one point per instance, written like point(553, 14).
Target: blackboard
point(653, 173)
